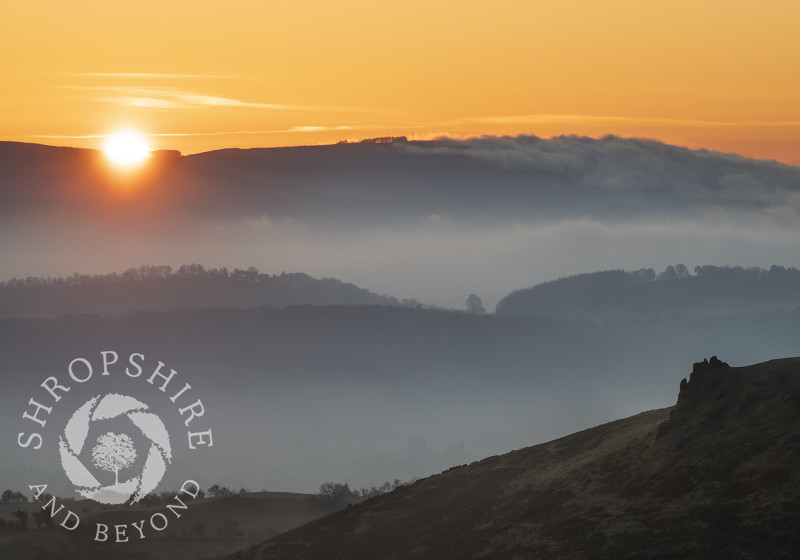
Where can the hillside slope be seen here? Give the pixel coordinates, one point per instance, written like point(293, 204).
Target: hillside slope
point(228, 523)
point(713, 477)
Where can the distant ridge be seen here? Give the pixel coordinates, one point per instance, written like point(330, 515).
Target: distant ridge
point(616, 294)
point(713, 477)
point(487, 179)
point(159, 288)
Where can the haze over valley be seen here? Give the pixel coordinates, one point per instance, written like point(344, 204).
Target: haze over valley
point(434, 221)
point(430, 280)
point(365, 313)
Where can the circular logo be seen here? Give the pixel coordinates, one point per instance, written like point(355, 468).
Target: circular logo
point(114, 452)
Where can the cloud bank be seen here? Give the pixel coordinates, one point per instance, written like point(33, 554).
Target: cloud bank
point(432, 220)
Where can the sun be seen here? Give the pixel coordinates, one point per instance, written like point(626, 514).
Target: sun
point(127, 149)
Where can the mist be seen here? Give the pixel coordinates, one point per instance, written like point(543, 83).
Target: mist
point(365, 394)
point(433, 220)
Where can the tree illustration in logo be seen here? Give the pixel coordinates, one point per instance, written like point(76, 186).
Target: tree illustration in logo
point(113, 453)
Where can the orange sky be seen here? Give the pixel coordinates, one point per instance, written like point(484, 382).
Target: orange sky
point(197, 76)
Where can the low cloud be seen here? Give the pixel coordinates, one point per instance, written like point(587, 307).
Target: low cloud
point(562, 118)
point(430, 220)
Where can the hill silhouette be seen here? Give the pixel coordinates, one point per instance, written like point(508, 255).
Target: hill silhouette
point(160, 288)
point(619, 294)
point(713, 477)
point(504, 178)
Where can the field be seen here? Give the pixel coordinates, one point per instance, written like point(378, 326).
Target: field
point(208, 529)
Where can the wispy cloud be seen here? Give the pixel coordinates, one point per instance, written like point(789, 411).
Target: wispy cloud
point(317, 128)
point(256, 132)
point(68, 136)
point(299, 129)
point(158, 76)
point(550, 118)
point(171, 98)
point(159, 97)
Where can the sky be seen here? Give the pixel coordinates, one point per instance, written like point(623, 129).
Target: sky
point(514, 197)
point(203, 76)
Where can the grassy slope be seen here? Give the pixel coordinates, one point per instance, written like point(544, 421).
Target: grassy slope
point(259, 515)
point(713, 477)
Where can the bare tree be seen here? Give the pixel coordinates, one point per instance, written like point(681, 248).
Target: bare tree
point(333, 495)
point(113, 453)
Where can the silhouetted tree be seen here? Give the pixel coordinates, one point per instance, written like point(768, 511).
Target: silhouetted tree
point(217, 491)
point(333, 495)
point(644, 274)
point(12, 496)
point(167, 496)
point(682, 271)
point(22, 516)
point(199, 528)
point(47, 516)
point(668, 274)
point(475, 305)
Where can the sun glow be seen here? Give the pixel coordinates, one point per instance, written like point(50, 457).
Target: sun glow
point(127, 149)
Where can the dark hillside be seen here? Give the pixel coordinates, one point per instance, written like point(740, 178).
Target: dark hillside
point(209, 528)
point(713, 477)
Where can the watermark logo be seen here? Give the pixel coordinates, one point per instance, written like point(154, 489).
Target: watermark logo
point(114, 448)
point(114, 452)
